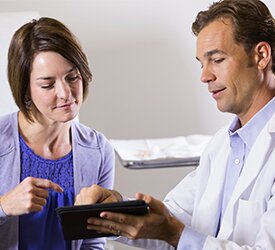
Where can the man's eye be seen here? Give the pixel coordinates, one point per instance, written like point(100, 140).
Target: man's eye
point(218, 60)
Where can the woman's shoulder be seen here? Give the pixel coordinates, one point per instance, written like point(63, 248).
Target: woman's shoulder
point(88, 136)
point(9, 132)
point(8, 121)
point(7, 118)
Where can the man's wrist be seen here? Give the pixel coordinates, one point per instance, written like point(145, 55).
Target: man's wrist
point(175, 230)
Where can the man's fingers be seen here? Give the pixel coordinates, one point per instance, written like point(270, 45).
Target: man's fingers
point(104, 226)
point(114, 223)
point(104, 229)
point(140, 196)
point(147, 198)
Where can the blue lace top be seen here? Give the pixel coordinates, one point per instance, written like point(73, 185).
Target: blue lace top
point(42, 230)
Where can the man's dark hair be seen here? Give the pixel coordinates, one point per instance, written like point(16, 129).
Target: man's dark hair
point(252, 22)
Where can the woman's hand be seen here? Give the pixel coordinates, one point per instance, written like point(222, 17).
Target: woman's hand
point(28, 196)
point(96, 194)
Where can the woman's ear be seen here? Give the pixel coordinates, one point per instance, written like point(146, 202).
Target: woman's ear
point(262, 55)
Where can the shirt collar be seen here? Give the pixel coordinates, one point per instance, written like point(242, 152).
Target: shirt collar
point(250, 131)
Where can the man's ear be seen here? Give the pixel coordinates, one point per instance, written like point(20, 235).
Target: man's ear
point(262, 54)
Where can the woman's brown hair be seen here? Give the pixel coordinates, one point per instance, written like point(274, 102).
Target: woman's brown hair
point(44, 34)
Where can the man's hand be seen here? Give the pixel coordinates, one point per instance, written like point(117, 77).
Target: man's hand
point(28, 196)
point(157, 224)
point(96, 194)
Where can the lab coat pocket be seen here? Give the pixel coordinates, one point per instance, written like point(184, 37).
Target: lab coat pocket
point(247, 222)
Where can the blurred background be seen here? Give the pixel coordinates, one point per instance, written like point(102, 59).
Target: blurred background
point(146, 80)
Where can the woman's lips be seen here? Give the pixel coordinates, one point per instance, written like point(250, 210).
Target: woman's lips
point(65, 105)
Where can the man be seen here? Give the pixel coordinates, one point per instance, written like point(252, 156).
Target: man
point(228, 202)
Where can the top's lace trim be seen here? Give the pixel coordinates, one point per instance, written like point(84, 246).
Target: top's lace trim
point(59, 171)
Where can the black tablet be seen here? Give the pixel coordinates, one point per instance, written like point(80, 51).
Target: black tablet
point(73, 219)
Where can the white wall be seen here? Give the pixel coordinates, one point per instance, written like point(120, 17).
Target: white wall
point(9, 22)
point(146, 79)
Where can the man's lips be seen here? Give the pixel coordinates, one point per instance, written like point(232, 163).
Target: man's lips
point(216, 93)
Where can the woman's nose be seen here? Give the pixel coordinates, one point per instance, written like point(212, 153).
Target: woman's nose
point(63, 90)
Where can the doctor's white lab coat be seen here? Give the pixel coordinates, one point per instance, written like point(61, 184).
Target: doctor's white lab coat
point(249, 219)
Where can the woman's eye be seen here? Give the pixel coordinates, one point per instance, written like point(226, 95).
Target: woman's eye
point(72, 78)
point(48, 86)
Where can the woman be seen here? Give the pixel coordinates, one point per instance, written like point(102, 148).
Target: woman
point(46, 157)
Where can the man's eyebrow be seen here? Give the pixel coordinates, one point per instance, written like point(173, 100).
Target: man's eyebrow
point(211, 53)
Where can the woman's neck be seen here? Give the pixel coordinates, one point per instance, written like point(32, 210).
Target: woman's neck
point(50, 140)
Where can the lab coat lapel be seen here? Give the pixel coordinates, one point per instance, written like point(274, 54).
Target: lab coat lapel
point(256, 160)
point(206, 217)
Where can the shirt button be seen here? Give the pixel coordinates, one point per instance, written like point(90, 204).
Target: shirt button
point(237, 161)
